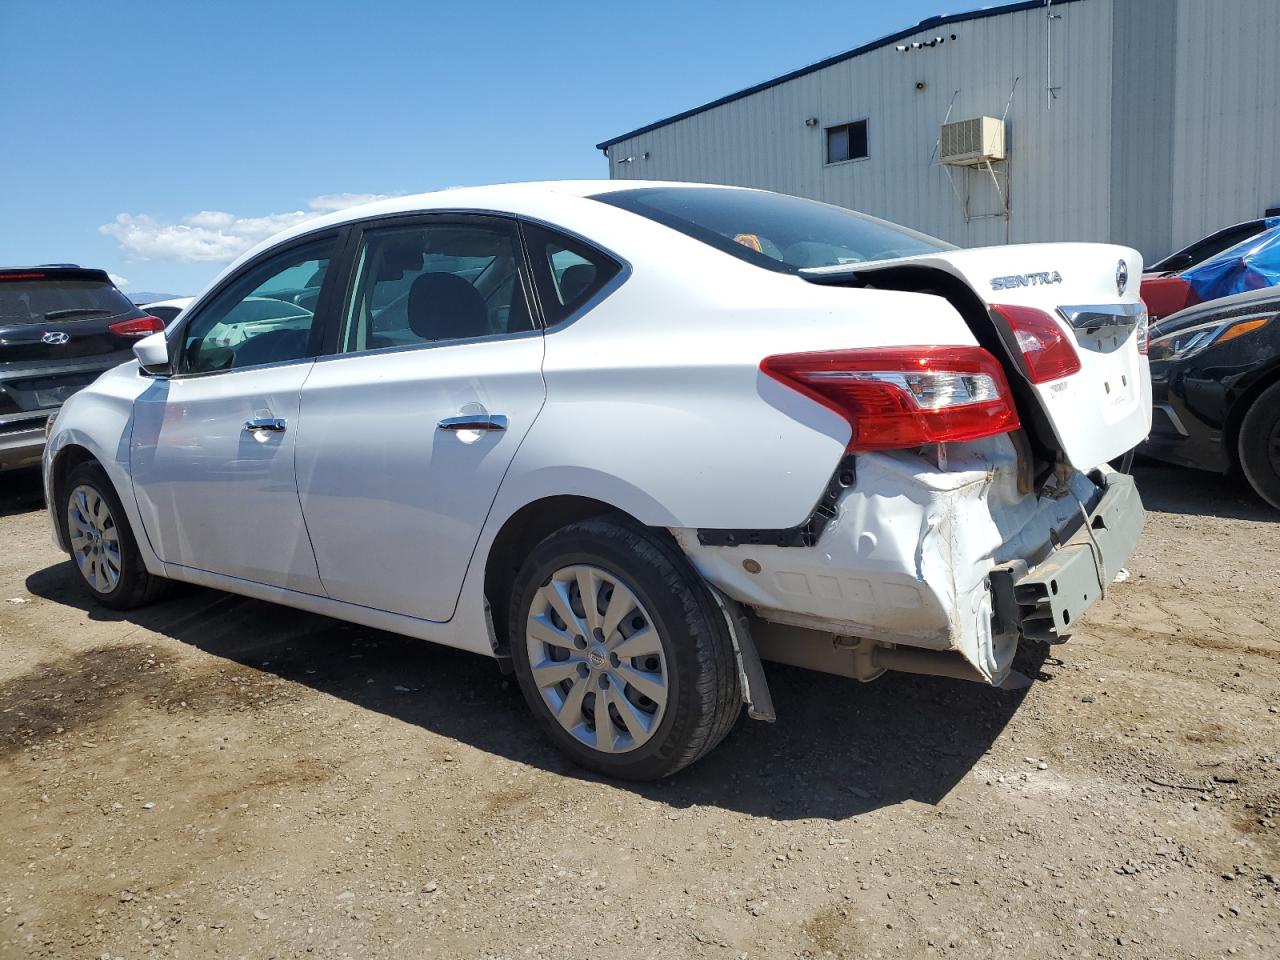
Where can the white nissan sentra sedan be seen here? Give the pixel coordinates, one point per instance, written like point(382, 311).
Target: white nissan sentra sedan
point(630, 440)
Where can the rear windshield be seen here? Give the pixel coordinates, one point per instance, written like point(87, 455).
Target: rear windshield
point(773, 230)
point(54, 298)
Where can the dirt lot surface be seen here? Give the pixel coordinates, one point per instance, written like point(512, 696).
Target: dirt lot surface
point(219, 777)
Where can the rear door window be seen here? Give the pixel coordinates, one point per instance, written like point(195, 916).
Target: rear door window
point(456, 278)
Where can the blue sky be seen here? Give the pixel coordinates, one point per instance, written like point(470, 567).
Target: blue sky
point(153, 139)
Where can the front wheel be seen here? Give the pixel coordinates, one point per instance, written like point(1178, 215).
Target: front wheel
point(620, 650)
point(102, 545)
point(1260, 445)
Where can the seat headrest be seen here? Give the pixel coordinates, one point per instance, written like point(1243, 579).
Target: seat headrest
point(446, 307)
point(575, 280)
point(397, 257)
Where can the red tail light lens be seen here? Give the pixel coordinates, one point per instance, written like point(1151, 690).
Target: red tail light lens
point(896, 398)
point(137, 328)
point(1044, 344)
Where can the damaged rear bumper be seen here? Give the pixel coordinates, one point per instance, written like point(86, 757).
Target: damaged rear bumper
point(932, 568)
point(1044, 601)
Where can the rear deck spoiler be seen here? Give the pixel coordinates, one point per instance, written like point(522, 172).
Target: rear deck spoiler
point(843, 274)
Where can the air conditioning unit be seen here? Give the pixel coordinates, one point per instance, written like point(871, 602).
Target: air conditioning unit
point(966, 143)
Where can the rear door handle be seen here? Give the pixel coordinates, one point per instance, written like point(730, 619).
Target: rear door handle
point(274, 424)
point(491, 421)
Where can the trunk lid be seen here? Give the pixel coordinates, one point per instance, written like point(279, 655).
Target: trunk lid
point(1090, 291)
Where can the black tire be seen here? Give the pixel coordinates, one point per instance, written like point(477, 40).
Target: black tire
point(1259, 445)
point(135, 586)
point(704, 696)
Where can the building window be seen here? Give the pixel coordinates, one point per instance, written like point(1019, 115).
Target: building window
point(847, 142)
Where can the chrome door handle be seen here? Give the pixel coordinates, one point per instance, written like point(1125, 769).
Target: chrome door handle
point(492, 421)
point(274, 424)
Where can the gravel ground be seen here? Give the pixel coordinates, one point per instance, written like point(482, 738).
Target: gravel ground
point(219, 777)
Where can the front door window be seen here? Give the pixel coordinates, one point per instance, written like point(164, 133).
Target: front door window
point(266, 316)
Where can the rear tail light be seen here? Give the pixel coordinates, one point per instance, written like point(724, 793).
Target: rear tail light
point(1144, 331)
point(1045, 347)
point(897, 398)
point(137, 327)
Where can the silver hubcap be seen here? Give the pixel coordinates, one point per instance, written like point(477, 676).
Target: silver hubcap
point(597, 659)
point(95, 541)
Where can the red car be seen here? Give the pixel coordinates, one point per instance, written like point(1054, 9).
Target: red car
point(1190, 276)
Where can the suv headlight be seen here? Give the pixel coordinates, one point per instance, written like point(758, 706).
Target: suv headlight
point(1189, 341)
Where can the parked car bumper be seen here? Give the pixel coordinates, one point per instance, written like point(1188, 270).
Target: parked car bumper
point(22, 441)
point(32, 392)
point(1179, 434)
point(952, 560)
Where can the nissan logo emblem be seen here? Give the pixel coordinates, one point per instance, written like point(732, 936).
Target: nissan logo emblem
point(1122, 277)
point(56, 337)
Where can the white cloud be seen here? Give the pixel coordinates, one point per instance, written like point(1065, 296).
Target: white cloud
point(215, 236)
point(118, 280)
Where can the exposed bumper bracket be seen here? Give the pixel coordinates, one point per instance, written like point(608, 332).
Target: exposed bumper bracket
point(1043, 601)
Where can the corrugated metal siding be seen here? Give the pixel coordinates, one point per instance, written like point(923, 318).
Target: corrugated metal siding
point(1060, 162)
point(1216, 163)
point(1226, 156)
point(1144, 74)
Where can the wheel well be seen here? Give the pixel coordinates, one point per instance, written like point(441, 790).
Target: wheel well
point(68, 458)
point(523, 531)
point(1231, 432)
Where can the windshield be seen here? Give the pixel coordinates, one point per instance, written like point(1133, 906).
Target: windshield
point(772, 230)
point(40, 300)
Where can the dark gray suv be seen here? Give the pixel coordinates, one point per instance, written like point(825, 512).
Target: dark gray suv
point(60, 327)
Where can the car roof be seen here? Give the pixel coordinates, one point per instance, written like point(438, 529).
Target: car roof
point(513, 198)
point(517, 199)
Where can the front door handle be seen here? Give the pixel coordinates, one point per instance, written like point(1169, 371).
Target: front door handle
point(490, 421)
point(273, 424)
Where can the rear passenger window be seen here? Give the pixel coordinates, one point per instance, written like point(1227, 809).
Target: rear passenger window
point(436, 282)
point(568, 273)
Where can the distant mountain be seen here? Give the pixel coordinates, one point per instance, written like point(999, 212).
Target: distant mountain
point(143, 296)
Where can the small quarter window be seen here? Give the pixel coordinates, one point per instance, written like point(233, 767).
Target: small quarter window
point(568, 273)
point(847, 142)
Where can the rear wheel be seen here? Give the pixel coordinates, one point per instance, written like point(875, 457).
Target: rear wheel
point(621, 651)
point(102, 545)
point(1260, 445)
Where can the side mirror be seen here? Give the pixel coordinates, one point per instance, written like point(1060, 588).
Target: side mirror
point(153, 353)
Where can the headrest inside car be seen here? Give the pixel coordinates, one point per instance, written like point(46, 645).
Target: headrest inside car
point(443, 306)
point(398, 257)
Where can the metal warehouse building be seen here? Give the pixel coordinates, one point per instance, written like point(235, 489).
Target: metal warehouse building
point(1144, 122)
